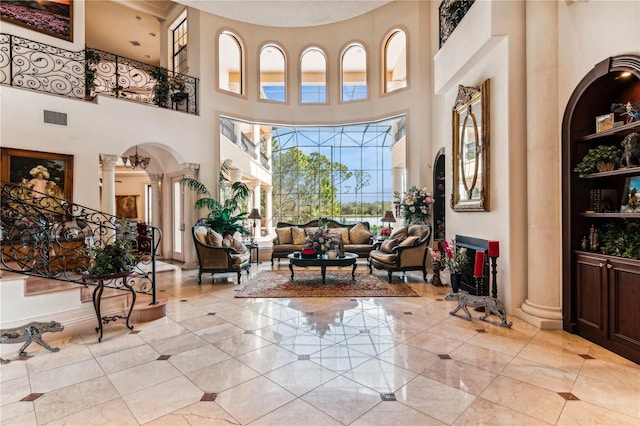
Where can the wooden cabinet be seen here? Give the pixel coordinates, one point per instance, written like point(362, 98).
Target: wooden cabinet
point(601, 286)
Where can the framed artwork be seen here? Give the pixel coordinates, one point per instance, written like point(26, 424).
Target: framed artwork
point(126, 206)
point(44, 172)
point(631, 195)
point(604, 122)
point(51, 17)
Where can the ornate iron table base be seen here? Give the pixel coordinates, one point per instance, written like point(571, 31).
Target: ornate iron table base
point(97, 297)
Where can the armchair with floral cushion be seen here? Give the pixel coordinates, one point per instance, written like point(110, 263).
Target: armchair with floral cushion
point(218, 254)
point(404, 250)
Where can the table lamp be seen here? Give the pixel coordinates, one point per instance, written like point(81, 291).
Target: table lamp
point(389, 218)
point(255, 215)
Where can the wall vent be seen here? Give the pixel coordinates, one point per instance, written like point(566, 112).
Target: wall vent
point(53, 117)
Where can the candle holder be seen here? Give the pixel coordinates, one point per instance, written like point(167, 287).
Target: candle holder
point(479, 291)
point(436, 281)
point(494, 277)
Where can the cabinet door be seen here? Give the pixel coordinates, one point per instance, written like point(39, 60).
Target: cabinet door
point(624, 304)
point(591, 294)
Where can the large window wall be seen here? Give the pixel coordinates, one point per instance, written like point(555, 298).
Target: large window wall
point(340, 172)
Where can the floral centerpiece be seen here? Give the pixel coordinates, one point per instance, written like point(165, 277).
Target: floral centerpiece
point(453, 259)
point(415, 204)
point(321, 240)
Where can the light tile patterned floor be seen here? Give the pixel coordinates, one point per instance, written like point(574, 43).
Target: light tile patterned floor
point(216, 359)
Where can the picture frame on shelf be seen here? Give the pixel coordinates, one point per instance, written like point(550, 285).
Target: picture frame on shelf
point(631, 195)
point(604, 122)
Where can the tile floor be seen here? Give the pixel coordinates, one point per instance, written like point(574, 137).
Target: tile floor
point(216, 359)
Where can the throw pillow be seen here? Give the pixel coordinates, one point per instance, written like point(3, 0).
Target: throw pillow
point(343, 233)
point(284, 235)
point(214, 239)
point(409, 241)
point(359, 234)
point(400, 233)
point(233, 243)
point(389, 245)
point(297, 235)
point(201, 234)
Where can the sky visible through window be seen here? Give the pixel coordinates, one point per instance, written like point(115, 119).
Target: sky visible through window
point(350, 92)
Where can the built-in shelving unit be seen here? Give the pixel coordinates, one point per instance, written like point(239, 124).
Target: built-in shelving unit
point(601, 289)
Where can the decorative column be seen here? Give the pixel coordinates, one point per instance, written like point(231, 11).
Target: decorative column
point(268, 209)
point(254, 185)
point(543, 306)
point(156, 220)
point(108, 183)
point(190, 217)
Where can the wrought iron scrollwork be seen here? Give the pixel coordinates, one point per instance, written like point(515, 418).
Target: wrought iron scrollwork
point(451, 13)
point(49, 237)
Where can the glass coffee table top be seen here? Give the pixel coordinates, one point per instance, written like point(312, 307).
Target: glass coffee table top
point(323, 261)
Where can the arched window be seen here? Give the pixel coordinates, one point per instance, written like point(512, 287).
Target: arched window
point(230, 72)
point(395, 61)
point(313, 76)
point(273, 76)
point(354, 73)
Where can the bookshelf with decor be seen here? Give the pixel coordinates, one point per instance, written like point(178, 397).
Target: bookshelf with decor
point(601, 213)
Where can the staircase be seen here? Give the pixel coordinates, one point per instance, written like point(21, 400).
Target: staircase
point(45, 262)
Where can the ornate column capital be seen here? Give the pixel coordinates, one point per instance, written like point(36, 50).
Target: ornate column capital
point(190, 170)
point(155, 177)
point(108, 161)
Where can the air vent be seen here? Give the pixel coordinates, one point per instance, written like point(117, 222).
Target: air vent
point(135, 43)
point(52, 117)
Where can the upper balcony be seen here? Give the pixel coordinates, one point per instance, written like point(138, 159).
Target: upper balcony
point(40, 67)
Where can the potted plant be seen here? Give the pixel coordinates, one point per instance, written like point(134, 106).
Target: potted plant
point(177, 87)
point(602, 158)
point(91, 61)
point(225, 217)
point(161, 88)
point(115, 258)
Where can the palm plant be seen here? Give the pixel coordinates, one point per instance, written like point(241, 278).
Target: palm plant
point(224, 217)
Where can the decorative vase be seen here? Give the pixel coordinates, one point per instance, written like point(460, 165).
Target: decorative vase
point(455, 281)
point(331, 254)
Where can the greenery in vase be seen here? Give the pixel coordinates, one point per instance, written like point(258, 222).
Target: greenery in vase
point(162, 87)
point(601, 153)
point(621, 241)
point(116, 257)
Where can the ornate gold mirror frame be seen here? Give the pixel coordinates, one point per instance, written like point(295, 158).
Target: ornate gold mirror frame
point(471, 149)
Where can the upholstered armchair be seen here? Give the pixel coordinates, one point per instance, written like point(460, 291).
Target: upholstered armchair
point(405, 250)
point(216, 256)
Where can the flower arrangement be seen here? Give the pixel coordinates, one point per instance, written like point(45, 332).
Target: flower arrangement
point(322, 240)
point(415, 204)
point(385, 232)
point(453, 259)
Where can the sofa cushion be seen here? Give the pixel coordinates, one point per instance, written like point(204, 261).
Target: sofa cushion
point(286, 248)
point(418, 231)
point(400, 233)
point(343, 233)
point(297, 235)
point(229, 241)
point(386, 258)
point(388, 245)
point(240, 258)
point(311, 230)
point(359, 234)
point(201, 234)
point(409, 241)
point(284, 235)
point(214, 239)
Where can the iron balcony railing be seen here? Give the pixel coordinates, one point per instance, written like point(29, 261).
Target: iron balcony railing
point(44, 68)
point(49, 237)
point(451, 13)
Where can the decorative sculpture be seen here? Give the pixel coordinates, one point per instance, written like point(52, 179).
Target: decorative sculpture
point(631, 153)
point(490, 304)
point(30, 333)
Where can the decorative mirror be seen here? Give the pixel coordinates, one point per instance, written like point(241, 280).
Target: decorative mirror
point(471, 149)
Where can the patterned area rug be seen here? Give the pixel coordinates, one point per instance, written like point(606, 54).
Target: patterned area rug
point(309, 284)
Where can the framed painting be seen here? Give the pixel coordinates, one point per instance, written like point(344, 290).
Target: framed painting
point(44, 172)
point(51, 17)
point(630, 201)
point(126, 206)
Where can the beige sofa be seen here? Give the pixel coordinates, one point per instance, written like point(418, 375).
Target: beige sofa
point(290, 237)
point(404, 250)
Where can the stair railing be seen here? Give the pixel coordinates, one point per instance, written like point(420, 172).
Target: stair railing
point(49, 237)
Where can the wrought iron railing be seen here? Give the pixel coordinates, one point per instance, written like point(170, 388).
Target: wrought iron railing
point(264, 160)
point(451, 13)
point(40, 67)
point(49, 237)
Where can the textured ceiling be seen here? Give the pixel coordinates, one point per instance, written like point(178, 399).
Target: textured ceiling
point(286, 13)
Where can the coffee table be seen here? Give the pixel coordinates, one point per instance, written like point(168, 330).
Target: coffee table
point(323, 262)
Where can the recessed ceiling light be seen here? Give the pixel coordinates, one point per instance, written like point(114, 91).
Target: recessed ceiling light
point(139, 18)
point(152, 34)
point(625, 74)
point(147, 56)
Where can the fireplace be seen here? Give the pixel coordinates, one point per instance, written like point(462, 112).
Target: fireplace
point(467, 282)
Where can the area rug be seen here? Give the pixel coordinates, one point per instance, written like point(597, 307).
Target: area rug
point(309, 284)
